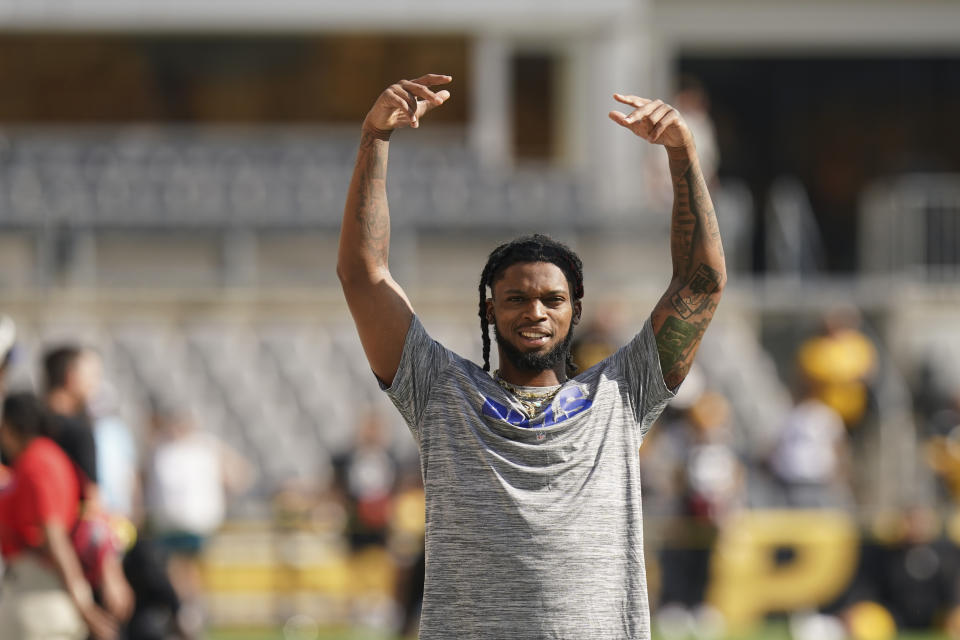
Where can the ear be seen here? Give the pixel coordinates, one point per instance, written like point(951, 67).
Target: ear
point(577, 310)
point(490, 316)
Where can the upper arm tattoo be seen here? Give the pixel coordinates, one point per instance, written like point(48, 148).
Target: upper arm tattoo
point(677, 342)
point(674, 340)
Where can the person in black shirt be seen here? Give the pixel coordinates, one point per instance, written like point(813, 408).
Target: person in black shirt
point(72, 377)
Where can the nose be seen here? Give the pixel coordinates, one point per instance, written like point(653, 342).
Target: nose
point(536, 310)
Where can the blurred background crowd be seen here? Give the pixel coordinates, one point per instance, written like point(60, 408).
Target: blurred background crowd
point(172, 177)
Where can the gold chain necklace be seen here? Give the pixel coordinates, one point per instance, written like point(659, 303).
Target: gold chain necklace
point(531, 401)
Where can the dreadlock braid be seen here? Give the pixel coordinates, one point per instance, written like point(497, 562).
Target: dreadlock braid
point(533, 248)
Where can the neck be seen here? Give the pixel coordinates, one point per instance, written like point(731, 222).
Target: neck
point(61, 401)
point(522, 378)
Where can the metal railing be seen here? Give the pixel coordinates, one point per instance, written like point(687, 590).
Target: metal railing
point(910, 227)
point(794, 246)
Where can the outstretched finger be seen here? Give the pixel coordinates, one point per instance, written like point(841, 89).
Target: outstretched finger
point(420, 91)
point(442, 96)
point(432, 79)
point(633, 101)
point(619, 118)
point(644, 111)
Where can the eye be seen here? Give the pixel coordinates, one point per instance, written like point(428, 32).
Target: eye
point(515, 299)
point(555, 301)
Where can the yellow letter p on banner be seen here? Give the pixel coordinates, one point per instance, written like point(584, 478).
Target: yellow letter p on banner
point(747, 580)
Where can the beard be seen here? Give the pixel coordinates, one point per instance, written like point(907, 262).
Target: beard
point(533, 361)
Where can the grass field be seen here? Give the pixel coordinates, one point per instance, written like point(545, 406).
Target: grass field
point(276, 634)
point(769, 632)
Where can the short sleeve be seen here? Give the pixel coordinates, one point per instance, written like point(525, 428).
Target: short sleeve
point(48, 498)
point(56, 492)
point(639, 365)
point(41, 503)
point(422, 363)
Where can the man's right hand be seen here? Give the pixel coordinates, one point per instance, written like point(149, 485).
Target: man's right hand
point(100, 624)
point(402, 104)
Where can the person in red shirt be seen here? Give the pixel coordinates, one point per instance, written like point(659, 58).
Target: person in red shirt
point(45, 594)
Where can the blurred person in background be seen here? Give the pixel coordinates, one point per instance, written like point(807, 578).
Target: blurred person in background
point(694, 451)
point(941, 445)
point(810, 457)
point(119, 492)
point(366, 476)
point(839, 363)
point(660, 455)
point(45, 593)
point(116, 454)
point(156, 614)
point(72, 377)
point(534, 525)
point(156, 610)
point(187, 477)
point(407, 545)
point(912, 569)
point(597, 340)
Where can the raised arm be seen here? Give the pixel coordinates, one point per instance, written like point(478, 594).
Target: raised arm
point(379, 306)
point(699, 271)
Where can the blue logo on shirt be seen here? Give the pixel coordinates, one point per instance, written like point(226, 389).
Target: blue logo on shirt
point(568, 403)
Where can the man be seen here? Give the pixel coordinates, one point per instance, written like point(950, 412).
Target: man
point(72, 376)
point(531, 476)
point(188, 476)
point(366, 476)
point(45, 594)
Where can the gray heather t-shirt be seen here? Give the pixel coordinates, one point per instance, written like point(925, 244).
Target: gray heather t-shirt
point(533, 526)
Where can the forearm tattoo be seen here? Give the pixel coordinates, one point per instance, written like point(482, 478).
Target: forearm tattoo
point(694, 297)
point(371, 212)
point(699, 272)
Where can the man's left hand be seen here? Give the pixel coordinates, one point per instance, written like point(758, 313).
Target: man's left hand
point(653, 120)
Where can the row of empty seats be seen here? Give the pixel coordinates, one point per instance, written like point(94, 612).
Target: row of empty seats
point(277, 178)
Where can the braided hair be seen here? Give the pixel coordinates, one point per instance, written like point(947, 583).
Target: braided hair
point(532, 248)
